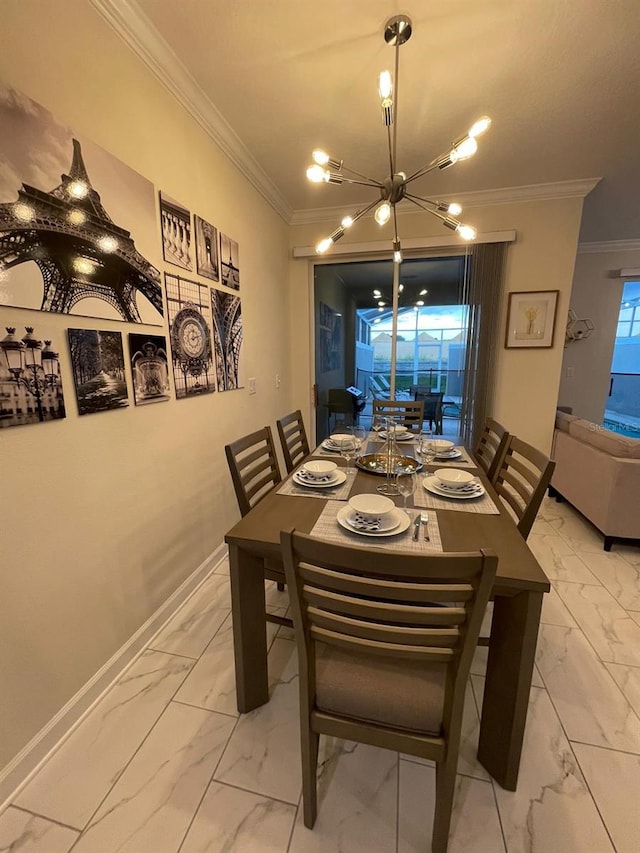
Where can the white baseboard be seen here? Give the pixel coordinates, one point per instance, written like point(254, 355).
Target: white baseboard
point(28, 761)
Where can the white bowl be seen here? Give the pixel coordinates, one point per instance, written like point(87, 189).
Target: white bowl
point(454, 478)
point(399, 429)
point(318, 468)
point(442, 445)
point(341, 439)
point(372, 506)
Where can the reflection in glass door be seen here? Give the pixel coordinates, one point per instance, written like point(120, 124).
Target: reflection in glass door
point(622, 411)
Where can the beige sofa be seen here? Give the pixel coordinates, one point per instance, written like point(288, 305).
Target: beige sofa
point(598, 472)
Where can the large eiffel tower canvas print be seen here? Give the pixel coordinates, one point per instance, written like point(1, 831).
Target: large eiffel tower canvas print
point(77, 226)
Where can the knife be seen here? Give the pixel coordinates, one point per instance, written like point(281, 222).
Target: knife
point(416, 527)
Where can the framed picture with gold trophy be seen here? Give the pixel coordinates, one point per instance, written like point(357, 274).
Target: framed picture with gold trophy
point(531, 319)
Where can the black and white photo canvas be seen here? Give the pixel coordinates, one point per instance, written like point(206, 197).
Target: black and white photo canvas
point(149, 368)
point(77, 226)
point(97, 362)
point(175, 222)
point(189, 310)
point(30, 382)
point(207, 262)
point(227, 338)
point(229, 262)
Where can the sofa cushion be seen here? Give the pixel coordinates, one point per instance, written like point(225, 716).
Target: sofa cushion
point(563, 419)
point(604, 439)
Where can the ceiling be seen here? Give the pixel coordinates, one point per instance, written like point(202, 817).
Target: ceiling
point(561, 81)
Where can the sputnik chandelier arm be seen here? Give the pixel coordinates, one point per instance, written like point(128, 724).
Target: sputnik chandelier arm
point(394, 188)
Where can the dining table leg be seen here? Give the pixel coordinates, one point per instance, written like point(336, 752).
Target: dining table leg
point(512, 649)
point(249, 629)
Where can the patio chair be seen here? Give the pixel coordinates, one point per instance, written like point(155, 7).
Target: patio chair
point(384, 657)
point(377, 387)
point(432, 408)
point(339, 402)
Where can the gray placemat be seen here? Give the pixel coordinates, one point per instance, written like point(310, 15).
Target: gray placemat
point(423, 498)
point(328, 529)
point(338, 493)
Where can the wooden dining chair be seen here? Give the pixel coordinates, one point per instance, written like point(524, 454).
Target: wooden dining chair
point(409, 413)
point(255, 471)
point(521, 481)
point(383, 655)
point(293, 438)
point(491, 447)
point(254, 467)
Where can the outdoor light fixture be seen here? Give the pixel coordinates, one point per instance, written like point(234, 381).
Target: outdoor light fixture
point(396, 186)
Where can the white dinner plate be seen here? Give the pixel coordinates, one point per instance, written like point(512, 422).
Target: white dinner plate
point(403, 522)
point(431, 484)
point(404, 436)
point(452, 454)
point(338, 478)
point(329, 445)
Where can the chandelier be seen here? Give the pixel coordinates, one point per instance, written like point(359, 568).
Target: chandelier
point(396, 186)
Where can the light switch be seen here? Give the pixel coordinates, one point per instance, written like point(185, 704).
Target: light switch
point(252, 384)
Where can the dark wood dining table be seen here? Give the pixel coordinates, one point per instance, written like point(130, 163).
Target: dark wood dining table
point(519, 586)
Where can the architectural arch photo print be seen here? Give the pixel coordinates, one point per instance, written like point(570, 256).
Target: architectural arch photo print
point(227, 338)
point(77, 226)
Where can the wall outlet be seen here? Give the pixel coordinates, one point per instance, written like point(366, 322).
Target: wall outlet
point(277, 380)
point(251, 382)
point(570, 372)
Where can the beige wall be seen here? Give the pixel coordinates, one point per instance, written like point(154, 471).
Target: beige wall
point(542, 258)
point(102, 517)
point(586, 367)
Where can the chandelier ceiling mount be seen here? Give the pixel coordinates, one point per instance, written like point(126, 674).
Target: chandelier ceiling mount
point(394, 188)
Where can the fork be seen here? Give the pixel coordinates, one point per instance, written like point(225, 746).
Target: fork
point(424, 518)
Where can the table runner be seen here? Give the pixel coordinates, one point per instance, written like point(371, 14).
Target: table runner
point(328, 529)
point(423, 498)
point(338, 493)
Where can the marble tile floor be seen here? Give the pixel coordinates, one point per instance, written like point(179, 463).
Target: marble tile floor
point(165, 765)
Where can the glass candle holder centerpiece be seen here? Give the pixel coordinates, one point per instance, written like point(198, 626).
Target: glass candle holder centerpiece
point(390, 453)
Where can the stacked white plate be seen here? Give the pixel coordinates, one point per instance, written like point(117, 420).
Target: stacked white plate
point(394, 522)
point(335, 478)
point(434, 485)
point(449, 454)
point(400, 436)
point(330, 444)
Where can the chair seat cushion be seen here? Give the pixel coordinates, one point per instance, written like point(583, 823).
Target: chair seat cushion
point(388, 691)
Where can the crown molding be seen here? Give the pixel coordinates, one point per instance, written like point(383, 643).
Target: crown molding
point(140, 35)
point(478, 198)
point(609, 246)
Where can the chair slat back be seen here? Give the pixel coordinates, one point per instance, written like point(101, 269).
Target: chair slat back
point(406, 606)
point(521, 481)
point(293, 439)
point(254, 467)
point(492, 446)
point(409, 413)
